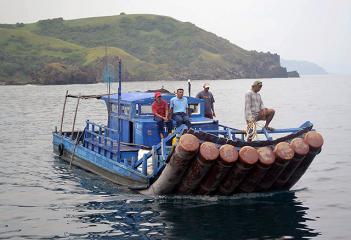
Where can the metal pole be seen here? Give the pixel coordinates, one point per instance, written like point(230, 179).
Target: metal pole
point(106, 72)
point(63, 112)
point(189, 87)
point(109, 101)
point(163, 148)
point(119, 109)
point(75, 116)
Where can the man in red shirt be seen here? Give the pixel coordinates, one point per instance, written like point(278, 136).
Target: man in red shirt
point(160, 111)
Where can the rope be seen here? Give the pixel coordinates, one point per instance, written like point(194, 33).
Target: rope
point(251, 130)
point(75, 146)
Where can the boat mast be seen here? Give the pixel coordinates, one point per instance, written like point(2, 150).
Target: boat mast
point(108, 78)
point(119, 108)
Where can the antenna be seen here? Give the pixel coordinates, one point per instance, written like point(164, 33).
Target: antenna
point(108, 73)
point(108, 76)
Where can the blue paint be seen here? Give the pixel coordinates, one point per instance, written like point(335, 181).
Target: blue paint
point(131, 127)
point(100, 144)
point(99, 160)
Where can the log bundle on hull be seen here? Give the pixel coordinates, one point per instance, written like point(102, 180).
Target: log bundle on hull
point(202, 164)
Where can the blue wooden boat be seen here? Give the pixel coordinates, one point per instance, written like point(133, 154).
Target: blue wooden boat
point(207, 159)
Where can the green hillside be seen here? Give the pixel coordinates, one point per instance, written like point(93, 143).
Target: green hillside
point(152, 47)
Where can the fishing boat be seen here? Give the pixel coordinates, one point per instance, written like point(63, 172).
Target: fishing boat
point(207, 159)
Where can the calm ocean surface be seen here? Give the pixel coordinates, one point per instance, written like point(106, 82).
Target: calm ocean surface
point(41, 197)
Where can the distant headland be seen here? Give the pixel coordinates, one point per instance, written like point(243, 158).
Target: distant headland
point(303, 67)
point(152, 47)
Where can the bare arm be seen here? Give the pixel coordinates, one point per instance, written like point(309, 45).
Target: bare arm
point(261, 103)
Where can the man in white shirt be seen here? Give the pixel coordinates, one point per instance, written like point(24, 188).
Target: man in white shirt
point(180, 109)
point(254, 108)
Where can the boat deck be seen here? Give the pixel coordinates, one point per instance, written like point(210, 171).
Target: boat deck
point(105, 143)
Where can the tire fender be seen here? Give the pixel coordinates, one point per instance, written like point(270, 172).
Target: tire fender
point(60, 149)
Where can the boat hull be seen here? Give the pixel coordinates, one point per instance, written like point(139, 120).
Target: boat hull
point(203, 164)
point(89, 160)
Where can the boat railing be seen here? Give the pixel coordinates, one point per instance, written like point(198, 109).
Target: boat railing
point(97, 138)
point(158, 154)
point(233, 133)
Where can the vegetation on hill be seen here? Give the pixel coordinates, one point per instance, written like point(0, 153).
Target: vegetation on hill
point(152, 47)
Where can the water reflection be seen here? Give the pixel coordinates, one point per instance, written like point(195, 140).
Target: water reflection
point(105, 210)
point(116, 211)
point(276, 216)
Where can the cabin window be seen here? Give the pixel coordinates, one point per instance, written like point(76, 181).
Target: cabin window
point(125, 109)
point(114, 108)
point(194, 108)
point(145, 110)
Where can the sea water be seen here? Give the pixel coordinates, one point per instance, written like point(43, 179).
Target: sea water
point(42, 197)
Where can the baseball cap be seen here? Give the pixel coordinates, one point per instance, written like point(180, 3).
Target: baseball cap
point(206, 85)
point(157, 94)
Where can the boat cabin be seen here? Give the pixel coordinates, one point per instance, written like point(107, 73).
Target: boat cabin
point(137, 120)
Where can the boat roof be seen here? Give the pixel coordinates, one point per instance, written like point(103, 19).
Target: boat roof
point(138, 97)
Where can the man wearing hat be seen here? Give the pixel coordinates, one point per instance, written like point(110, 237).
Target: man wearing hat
point(254, 108)
point(160, 111)
point(207, 96)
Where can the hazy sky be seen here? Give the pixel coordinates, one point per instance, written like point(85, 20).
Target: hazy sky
point(312, 30)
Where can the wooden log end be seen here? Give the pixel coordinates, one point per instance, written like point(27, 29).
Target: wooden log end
point(300, 146)
point(314, 139)
point(189, 143)
point(228, 154)
point(284, 151)
point(209, 151)
point(248, 155)
point(266, 155)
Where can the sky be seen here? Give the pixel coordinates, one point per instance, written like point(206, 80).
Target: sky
point(318, 31)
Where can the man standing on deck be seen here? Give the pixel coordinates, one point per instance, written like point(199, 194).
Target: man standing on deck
point(207, 96)
point(180, 109)
point(160, 111)
point(254, 108)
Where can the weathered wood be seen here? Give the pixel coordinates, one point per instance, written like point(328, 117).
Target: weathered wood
point(173, 173)
point(63, 111)
point(206, 157)
point(75, 117)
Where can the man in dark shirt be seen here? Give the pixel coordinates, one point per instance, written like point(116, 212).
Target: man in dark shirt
point(207, 96)
point(160, 111)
